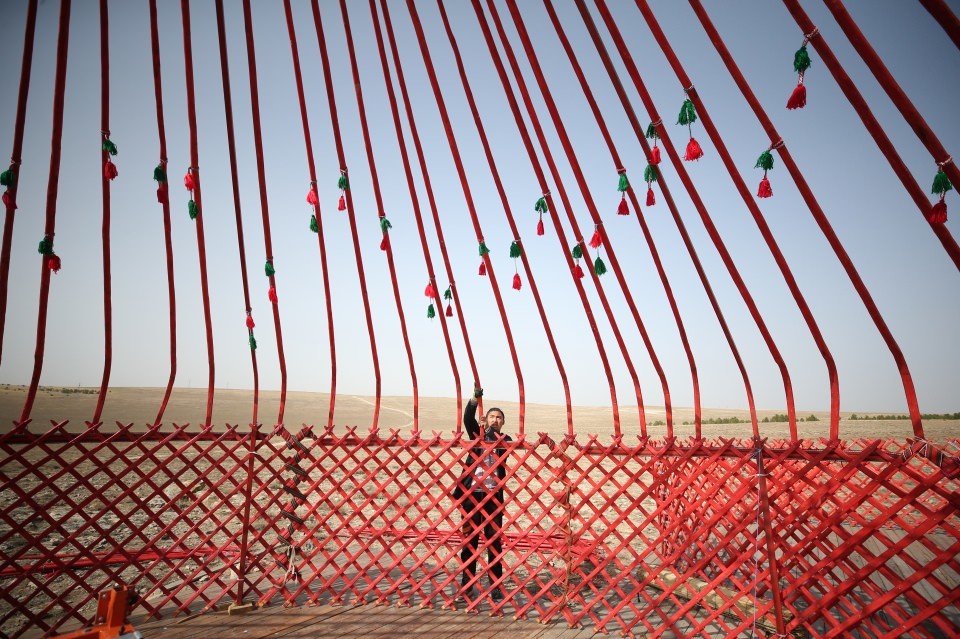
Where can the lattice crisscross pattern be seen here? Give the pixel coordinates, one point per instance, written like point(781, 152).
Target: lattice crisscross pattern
point(696, 538)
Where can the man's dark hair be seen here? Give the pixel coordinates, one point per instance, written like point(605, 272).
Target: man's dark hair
point(490, 410)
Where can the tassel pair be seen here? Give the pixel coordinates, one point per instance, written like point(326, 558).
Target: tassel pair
point(653, 134)
point(650, 176)
point(190, 183)
point(385, 227)
point(577, 253)
point(801, 62)
point(160, 176)
point(483, 250)
point(109, 168)
point(765, 162)
point(51, 260)
point(688, 115)
point(515, 253)
point(623, 185)
point(941, 184)
point(448, 296)
point(541, 208)
point(344, 185)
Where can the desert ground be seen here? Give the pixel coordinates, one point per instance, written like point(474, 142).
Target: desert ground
point(186, 406)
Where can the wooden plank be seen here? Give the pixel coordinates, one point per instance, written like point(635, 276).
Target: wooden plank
point(261, 622)
point(355, 621)
point(359, 622)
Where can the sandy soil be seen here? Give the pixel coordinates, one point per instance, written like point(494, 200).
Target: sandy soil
point(140, 406)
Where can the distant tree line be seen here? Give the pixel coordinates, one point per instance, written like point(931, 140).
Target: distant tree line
point(856, 417)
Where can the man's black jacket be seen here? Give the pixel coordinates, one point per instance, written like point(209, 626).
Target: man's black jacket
point(473, 432)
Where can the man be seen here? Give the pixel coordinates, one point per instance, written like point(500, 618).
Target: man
point(483, 497)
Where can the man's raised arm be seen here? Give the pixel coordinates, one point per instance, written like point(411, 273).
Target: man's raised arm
point(470, 414)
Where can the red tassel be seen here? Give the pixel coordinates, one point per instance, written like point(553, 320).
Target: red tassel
point(250, 323)
point(449, 310)
point(272, 294)
point(110, 170)
point(655, 155)
point(312, 198)
point(578, 272)
point(764, 190)
point(430, 291)
point(596, 240)
point(938, 214)
point(161, 195)
point(8, 200)
point(385, 242)
point(483, 269)
point(651, 200)
point(189, 182)
point(694, 152)
point(516, 282)
point(53, 263)
point(342, 204)
point(540, 227)
point(798, 99)
point(623, 209)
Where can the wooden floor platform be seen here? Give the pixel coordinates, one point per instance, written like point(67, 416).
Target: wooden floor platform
point(356, 622)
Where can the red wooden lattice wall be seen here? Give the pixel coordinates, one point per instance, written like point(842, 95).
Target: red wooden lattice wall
point(637, 536)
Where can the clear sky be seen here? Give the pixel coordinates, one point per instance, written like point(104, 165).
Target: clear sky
point(915, 285)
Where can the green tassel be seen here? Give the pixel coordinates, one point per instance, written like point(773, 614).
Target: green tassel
point(577, 252)
point(159, 174)
point(342, 183)
point(765, 161)
point(8, 178)
point(313, 224)
point(430, 312)
point(688, 113)
point(109, 146)
point(652, 133)
point(192, 209)
point(941, 183)
point(801, 60)
point(650, 174)
point(253, 343)
point(599, 267)
point(46, 246)
point(483, 249)
point(385, 225)
point(515, 250)
point(268, 268)
point(448, 294)
point(541, 205)
point(624, 183)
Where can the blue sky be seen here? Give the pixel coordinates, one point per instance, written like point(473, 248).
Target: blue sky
point(910, 276)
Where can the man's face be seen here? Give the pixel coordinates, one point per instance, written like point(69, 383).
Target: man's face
point(495, 419)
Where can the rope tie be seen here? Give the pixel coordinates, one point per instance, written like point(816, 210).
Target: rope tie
point(925, 447)
point(689, 89)
point(776, 145)
point(946, 162)
point(809, 36)
point(657, 123)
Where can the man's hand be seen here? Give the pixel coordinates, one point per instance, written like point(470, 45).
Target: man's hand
point(477, 392)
